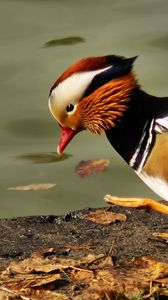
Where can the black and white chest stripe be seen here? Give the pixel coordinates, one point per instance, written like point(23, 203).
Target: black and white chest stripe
point(147, 141)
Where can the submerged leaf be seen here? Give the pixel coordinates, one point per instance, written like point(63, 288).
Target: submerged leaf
point(33, 187)
point(44, 158)
point(87, 167)
point(71, 40)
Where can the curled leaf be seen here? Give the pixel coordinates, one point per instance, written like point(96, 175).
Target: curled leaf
point(33, 187)
point(87, 167)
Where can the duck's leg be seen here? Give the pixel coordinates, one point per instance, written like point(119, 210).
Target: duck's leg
point(137, 202)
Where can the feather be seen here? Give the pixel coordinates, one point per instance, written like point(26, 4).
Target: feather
point(161, 125)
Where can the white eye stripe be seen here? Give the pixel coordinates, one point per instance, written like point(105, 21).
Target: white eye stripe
point(72, 88)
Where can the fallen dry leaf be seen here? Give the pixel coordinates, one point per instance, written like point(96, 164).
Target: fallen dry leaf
point(103, 216)
point(39, 264)
point(33, 187)
point(87, 167)
point(6, 294)
point(100, 261)
point(42, 294)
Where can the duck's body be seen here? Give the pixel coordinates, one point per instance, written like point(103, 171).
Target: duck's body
point(142, 140)
point(102, 94)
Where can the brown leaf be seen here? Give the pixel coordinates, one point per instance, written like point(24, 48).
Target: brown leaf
point(22, 281)
point(33, 187)
point(43, 294)
point(79, 275)
point(86, 168)
point(43, 280)
point(100, 261)
point(6, 294)
point(39, 263)
point(103, 216)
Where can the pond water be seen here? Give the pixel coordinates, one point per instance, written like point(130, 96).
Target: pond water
point(35, 47)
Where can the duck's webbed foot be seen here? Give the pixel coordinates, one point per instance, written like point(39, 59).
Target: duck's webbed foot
point(137, 202)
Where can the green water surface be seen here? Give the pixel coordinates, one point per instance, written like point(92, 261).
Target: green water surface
point(38, 40)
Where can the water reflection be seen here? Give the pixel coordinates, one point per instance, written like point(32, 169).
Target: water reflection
point(30, 128)
point(29, 134)
point(161, 42)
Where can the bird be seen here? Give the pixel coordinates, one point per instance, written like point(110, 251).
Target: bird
point(102, 94)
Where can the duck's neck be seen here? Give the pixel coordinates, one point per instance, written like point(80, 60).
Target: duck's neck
point(134, 133)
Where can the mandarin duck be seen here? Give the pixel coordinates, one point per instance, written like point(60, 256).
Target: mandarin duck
point(102, 94)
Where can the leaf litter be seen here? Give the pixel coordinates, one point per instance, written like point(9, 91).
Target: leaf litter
point(96, 267)
point(92, 277)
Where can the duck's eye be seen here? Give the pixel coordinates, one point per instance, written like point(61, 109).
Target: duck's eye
point(69, 108)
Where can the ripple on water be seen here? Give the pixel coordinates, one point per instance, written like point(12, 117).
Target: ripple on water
point(160, 42)
point(31, 128)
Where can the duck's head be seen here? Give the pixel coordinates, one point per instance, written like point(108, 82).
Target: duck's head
point(91, 94)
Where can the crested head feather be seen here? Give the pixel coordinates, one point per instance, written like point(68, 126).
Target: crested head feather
point(82, 65)
point(122, 65)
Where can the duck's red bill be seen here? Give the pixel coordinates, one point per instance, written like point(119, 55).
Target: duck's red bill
point(66, 136)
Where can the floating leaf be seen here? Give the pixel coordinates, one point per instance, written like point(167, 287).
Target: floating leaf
point(33, 187)
point(86, 168)
point(71, 40)
point(102, 216)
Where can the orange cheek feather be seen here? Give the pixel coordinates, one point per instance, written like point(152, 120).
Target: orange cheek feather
point(73, 121)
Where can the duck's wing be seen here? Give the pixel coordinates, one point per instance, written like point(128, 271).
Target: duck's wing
point(161, 125)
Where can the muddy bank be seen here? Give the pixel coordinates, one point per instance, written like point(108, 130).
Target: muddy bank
point(130, 235)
